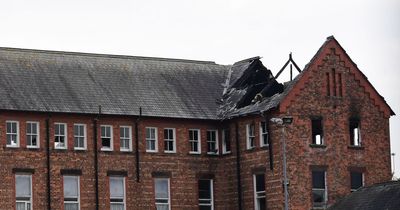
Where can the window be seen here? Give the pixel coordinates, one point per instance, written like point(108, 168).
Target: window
point(32, 134)
point(106, 137)
point(212, 142)
point(357, 180)
point(206, 198)
point(194, 141)
point(151, 140)
point(226, 141)
point(71, 192)
point(317, 135)
point(12, 133)
point(125, 133)
point(319, 189)
point(169, 140)
point(263, 134)
point(117, 193)
point(259, 192)
point(355, 137)
point(23, 192)
point(162, 196)
point(60, 136)
point(250, 143)
point(79, 136)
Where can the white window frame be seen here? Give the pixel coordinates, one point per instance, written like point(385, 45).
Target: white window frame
point(24, 200)
point(325, 202)
point(65, 136)
point(216, 152)
point(79, 191)
point(124, 149)
point(257, 194)
point(111, 148)
point(211, 204)
point(31, 134)
point(124, 198)
point(84, 137)
point(224, 138)
point(173, 140)
point(16, 134)
point(169, 193)
point(262, 133)
point(191, 141)
point(362, 180)
point(150, 139)
point(249, 137)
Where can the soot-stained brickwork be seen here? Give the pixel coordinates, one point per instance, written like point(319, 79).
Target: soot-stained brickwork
point(217, 116)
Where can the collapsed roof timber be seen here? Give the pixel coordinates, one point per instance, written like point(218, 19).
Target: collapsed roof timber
point(67, 82)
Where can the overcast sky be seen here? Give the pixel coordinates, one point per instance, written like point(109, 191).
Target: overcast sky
point(224, 31)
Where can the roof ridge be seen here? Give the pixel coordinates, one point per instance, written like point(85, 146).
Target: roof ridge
point(106, 55)
point(248, 59)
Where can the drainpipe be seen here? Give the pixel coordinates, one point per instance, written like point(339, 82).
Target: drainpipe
point(270, 151)
point(48, 163)
point(137, 145)
point(239, 181)
point(96, 164)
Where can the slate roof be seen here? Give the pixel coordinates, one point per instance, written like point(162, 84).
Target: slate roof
point(383, 196)
point(49, 81)
point(251, 89)
point(68, 82)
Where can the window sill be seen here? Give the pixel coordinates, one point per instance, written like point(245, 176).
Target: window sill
point(317, 146)
point(170, 152)
point(151, 151)
point(250, 148)
point(226, 153)
point(355, 147)
point(212, 153)
point(194, 153)
point(59, 148)
point(264, 146)
point(12, 146)
point(33, 147)
point(106, 149)
point(79, 149)
point(125, 150)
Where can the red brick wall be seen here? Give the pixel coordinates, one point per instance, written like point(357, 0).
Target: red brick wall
point(312, 100)
point(185, 169)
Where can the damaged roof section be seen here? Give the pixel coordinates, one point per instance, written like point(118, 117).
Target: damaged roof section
point(250, 88)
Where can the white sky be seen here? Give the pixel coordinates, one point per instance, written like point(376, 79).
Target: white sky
point(224, 31)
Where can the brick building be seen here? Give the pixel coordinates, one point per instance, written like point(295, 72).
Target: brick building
point(88, 131)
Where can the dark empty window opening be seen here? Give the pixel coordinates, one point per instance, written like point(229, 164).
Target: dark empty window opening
point(226, 141)
point(317, 134)
point(355, 137)
point(206, 201)
point(259, 191)
point(356, 179)
point(328, 85)
point(319, 188)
